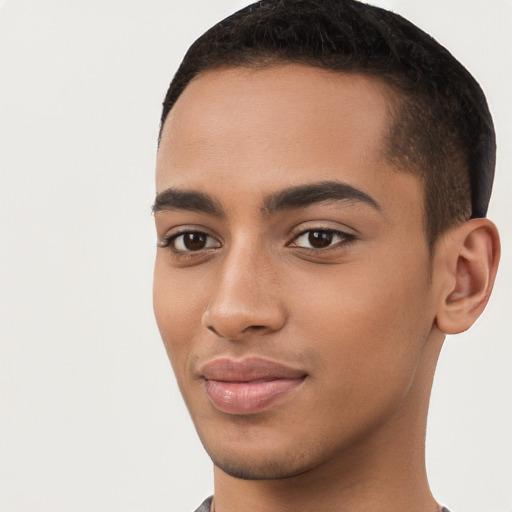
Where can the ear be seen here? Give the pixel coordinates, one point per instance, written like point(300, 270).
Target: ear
point(469, 261)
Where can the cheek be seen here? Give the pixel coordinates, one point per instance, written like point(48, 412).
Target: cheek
point(367, 326)
point(178, 310)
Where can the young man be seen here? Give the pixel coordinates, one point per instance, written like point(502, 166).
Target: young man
point(323, 176)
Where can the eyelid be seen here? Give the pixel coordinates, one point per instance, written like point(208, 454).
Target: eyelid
point(170, 236)
point(347, 238)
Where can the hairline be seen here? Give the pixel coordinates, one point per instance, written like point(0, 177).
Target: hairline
point(396, 100)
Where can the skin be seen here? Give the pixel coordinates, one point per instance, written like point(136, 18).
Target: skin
point(364, 317)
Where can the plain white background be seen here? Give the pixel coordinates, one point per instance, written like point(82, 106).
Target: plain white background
point(90, 416)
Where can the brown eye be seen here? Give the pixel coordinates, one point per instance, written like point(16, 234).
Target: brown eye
point(320, 239)
point(192, 241)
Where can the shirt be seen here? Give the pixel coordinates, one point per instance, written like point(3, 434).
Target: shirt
point(207, 503)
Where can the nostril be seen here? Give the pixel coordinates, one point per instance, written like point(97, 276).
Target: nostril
point(211, 328)
point(233, 321)
point(246, 329)
point(255, 327)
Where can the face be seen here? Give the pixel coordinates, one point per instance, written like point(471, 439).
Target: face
point(292, 280)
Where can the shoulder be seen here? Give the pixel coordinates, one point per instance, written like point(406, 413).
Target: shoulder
point(205, 506)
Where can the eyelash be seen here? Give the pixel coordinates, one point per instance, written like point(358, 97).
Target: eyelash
point(344, 240)
point(169, 241)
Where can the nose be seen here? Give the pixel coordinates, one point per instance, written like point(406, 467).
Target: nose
point(246, 298)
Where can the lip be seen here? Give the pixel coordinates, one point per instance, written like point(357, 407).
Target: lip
point(249, 385)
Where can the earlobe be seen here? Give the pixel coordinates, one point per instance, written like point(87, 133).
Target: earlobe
point(471, 257)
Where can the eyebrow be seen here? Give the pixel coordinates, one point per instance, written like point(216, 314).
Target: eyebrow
point(300, 196)
point(306, 195)
point(176, 199)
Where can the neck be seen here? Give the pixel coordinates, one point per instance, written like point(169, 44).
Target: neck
point(382, 471)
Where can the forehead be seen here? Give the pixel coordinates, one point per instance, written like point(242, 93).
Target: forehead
point(306, 92)
point(298, 102)
point(262, 129)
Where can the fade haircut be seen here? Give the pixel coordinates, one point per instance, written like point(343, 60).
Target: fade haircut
point(441, 129)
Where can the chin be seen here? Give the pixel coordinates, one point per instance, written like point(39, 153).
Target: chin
point(261, 470)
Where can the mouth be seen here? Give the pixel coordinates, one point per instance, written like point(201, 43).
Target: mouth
point(250, 385)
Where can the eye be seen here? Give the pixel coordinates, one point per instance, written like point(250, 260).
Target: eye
point(189, 241)
point(321, 239)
